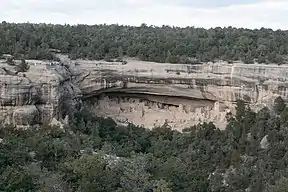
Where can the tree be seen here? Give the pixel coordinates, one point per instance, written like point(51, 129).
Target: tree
point(10, 60)
point(248, 58)
point(120, 52)
point(37, 41)
point(82, 156)
point(280, 186)
point(279, 105)
point(240, 110)
point(23, 66)
point(91, 174)
point(135, 176)
point(284, 116)
point(17, 180)
point(169, 57)
point(161, 186)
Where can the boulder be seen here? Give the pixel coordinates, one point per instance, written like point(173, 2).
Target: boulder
point(264, 144)
point(26, 115)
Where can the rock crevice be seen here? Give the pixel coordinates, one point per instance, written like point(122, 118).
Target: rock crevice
point(143, 93)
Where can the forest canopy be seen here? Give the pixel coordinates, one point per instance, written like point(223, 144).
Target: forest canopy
point(97, 155)
point(148, 43)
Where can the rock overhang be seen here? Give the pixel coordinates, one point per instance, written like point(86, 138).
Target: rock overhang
point(47, 85)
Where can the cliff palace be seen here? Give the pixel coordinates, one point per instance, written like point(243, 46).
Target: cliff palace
point(144, 93)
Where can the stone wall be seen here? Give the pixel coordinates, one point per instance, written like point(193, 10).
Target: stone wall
point(152, 111)
point(178, 94)
point(218, 84)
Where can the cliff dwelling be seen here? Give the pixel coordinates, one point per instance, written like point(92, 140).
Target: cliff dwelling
point(156, 110)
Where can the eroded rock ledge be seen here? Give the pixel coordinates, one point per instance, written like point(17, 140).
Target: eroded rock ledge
point(36, 96)
point(144, 93)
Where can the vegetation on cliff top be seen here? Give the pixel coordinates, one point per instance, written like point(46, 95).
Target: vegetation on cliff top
point(160, 44)
point(96, 155)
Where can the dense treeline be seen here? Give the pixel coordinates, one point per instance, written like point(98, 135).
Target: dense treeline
point(160, 44)
point(96, 155)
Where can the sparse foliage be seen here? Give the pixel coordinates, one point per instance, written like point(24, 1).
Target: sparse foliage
point(279, 105)
point(23, 66)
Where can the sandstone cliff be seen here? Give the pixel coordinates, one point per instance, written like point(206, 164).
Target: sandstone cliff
point(143, 93)
point(35, 96)
point(180, 95)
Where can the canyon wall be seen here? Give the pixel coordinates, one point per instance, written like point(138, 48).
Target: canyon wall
point(144, 93)
point(36, 96)
point(151, 94)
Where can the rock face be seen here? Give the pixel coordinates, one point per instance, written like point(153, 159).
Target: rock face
point(144, 93)
point(35, 96)
point(152, 94)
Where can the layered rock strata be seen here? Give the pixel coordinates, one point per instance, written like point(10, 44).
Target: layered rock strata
point(181, 95)
point(35, 96)
point(144, 93)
